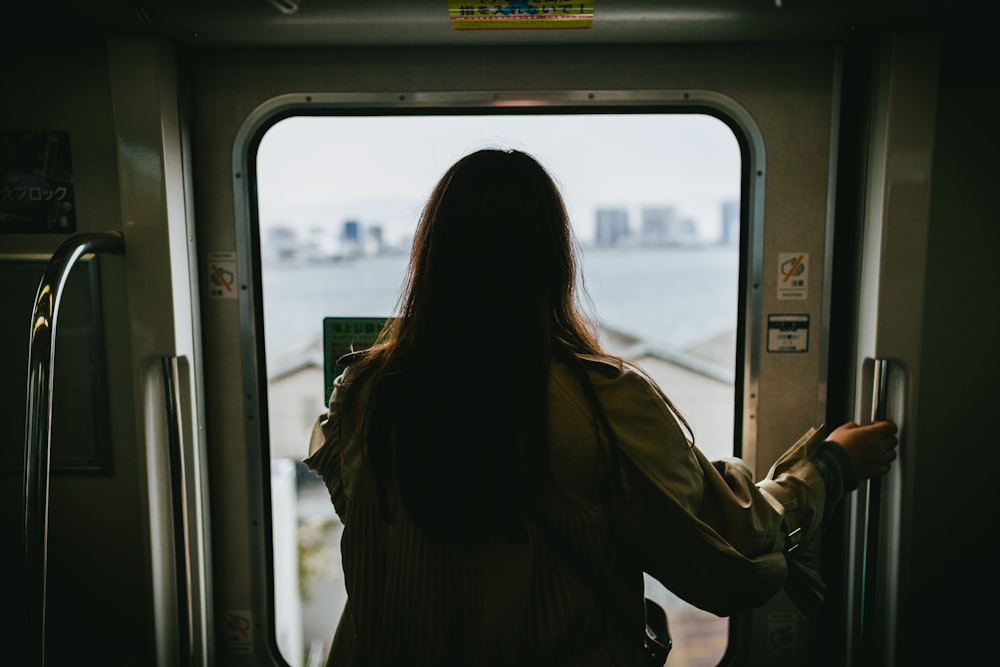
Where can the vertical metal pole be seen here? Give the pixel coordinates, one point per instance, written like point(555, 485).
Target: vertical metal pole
point(38, 427)
point(178, 496)
point(872, 523)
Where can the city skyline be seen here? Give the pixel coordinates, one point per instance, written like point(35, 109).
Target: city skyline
point(380, 170)
point(352, 238)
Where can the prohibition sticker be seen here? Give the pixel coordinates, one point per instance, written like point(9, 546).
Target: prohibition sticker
point(239, 630)
point(793, 275)
point(222, 275)
point(782, 634)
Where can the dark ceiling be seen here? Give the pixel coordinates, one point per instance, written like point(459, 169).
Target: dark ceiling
point(426, 22)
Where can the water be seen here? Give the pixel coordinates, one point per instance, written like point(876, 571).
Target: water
point(669, 296)
point(674, 297)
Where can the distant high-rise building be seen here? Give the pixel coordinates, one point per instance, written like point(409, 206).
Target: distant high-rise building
point(376, 239)
point(730, 222)
point(282, 242)
point(658, 225)
point(351, 231)
point(320, 244)
point(661, 226)
point(350, 238)
point(687, 231)
point(612, 226)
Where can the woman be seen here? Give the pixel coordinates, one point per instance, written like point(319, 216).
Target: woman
point(504, 483)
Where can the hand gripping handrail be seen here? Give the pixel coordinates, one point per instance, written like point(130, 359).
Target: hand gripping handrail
point(38, 426)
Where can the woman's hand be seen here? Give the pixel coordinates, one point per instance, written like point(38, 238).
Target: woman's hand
point(871, 448)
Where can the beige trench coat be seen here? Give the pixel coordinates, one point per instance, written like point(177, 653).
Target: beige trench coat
point(704, 529)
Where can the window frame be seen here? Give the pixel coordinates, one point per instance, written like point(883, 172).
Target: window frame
point(559, 102)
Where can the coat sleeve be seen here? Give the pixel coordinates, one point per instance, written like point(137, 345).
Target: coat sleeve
point(703, 528)
point(326, 454)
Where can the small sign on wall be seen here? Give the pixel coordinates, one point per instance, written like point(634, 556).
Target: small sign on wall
point(793, 275)
point(788, 333)
point(36, 183)
point(782, 634)
point(222, 275)
point(239, 630)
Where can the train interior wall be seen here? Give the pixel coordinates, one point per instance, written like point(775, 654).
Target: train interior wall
point(99, 598)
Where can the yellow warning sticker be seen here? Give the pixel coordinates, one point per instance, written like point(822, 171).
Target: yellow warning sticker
point(520, 14)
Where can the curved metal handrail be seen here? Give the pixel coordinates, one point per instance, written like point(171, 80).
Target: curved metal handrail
point(38, 424)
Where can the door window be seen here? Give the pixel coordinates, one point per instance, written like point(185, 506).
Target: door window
point(654, 200)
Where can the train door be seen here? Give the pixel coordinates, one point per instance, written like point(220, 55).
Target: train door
point(899, 81)
point(778, 105)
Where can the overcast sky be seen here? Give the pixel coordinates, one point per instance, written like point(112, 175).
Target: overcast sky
point(379, 170)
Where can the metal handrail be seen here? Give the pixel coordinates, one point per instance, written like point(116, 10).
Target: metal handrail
point(178, 498)
point(873, 520)
point(38, 425)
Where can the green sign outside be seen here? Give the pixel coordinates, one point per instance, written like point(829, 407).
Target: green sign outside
point(342, 335)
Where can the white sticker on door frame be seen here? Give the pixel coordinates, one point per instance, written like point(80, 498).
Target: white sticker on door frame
point(793, 275)
point(222, 275)
point(788, 333)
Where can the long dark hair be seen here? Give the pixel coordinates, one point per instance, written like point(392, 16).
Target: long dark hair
point(458, 411)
